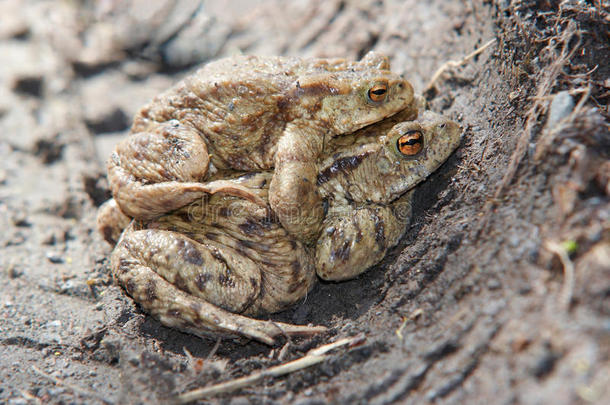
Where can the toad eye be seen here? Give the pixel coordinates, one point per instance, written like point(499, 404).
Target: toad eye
point(378, 92)
point(411, 143)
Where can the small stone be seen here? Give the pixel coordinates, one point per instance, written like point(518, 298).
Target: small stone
point(543, 361)
point(20, 220)
point(67, 286)
point(513, 95)
point(54, 392)
point(561, 106)
point(54, 324)
point(240, 401)
point(50, 338)
point(493, 284)
point(14, 272)
point(54, 257)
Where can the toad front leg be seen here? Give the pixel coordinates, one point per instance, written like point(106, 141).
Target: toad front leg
point(293, 193)
point(195, 287)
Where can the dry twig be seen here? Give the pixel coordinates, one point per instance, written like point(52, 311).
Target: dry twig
point(312, 357)
point(214, 349)
point(456, 63)
point(415, 314)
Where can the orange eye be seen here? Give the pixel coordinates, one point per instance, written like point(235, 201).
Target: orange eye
point(411, 143)
point(378, 92)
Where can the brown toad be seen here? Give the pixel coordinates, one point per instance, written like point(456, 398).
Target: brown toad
point(208, 266)
point(251, 113)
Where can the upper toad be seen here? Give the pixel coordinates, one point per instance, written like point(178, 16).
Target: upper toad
point(251, 113)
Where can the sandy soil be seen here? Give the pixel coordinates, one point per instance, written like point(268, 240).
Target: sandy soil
point(498, 293)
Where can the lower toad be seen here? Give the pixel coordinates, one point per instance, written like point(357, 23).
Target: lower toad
point(207, 267)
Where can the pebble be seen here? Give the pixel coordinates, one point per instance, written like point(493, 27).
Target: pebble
point(240, 401)
point(54, 392)
point(54, 257)
point(493, 284)
point(50, 338)
point(55, 323)
point(561, 106)
point(67, 286)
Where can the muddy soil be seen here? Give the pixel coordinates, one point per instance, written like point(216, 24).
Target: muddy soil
point(498, 293)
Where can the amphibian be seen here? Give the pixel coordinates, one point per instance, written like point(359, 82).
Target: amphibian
point(251, 113)
point(208, 266)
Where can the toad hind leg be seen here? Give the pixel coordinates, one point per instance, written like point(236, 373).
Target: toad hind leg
point(158, 169)
point(111, 221)
point(184, 284)
point(161, 168)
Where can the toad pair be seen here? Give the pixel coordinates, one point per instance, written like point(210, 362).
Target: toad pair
point(241, 183)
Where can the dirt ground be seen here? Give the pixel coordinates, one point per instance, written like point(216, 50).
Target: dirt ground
point(498, 293)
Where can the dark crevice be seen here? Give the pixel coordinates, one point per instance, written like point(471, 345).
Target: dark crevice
point(96, 188)
point(471, 365)
point(116, 121)
point(86, 71)
point(369, 46)
point(23, 341)
point(49, 150)
point(430, 273)
point(23, 35)
point(396, 386)
point(442, 350)
point(29, 86)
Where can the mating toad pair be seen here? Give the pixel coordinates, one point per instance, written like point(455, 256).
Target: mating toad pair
point(245, 180)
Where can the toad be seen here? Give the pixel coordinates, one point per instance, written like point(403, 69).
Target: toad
point(250, 113)
point(208, 267)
